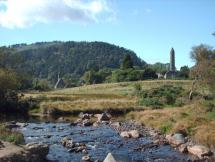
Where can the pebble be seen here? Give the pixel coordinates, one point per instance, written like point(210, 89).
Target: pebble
point(86, 158)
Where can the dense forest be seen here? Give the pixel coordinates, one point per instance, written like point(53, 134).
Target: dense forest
point(70, 60)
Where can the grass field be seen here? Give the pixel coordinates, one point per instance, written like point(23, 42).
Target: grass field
point(118, 97)
point(192, 119)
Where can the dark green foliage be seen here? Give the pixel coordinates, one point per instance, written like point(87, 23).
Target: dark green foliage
point(184, 72)
point(46, 60)
point(93, 77)
point(149, 73)
point(9, 99)
point(127, 62)
point(41, 85)
point(131, 75)
point(159, 67)
point(161, 96)
point(127, 75)
point(165, 128)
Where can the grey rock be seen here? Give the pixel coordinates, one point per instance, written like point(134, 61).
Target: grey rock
point(103, 117)
point(114, 157)
point(125, 134)
point(115, 124)
point(87, 122)
point(183, 148)
point(37, 149)
point(199, 150)
point(176, 140)
point(134, 134)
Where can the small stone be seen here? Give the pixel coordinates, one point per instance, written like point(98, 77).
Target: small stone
point(103, 117)
point(61, 119)
point(134, 134)
point(86, 116)
point(87, 122)
point(95, 124)
point(114, 157)
point(183, 148)
point(116, 124)
point(86, 158)
point(125, 134)
point(84, 151)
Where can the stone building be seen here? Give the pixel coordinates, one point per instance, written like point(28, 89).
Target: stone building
point(171, 73)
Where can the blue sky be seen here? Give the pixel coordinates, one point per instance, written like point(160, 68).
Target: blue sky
point(148, 27)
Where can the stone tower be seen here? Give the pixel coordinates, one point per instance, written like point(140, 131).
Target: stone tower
point(172, 61)
point(171, 73)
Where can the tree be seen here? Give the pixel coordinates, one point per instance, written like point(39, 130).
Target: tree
point(204, 70)
point(127, 62)
point(184, 72)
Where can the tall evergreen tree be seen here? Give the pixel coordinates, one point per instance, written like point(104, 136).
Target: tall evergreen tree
point(127, 62)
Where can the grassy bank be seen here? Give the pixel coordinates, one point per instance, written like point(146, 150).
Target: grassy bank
point(10, 136)
point(194, 120)
point(114, 97)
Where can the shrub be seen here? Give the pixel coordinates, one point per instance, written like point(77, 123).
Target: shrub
point(11, 136)
point(164, 95)
point(165, 128)
point(11, 102)
point(137, 88)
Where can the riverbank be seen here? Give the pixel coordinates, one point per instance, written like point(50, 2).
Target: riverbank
point(87, 135)
point(195, 119)
point(191, 120)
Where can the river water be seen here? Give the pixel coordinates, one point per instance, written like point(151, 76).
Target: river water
point(99, 140)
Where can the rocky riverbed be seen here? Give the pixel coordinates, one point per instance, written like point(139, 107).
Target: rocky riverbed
point(98, 141)
point(85, 140)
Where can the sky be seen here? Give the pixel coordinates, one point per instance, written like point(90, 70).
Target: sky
point(150, 28)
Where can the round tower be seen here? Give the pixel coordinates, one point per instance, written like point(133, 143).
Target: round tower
point(172, 60)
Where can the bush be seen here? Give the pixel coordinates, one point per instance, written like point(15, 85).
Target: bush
point(41, 85)
point(10, 136)
point(11, 102)
point(137, 88)
point(161, 96)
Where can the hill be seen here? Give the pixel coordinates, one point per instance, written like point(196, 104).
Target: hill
point(45, 60)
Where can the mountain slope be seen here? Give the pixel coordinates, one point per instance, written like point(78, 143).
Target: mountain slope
point(47, 59)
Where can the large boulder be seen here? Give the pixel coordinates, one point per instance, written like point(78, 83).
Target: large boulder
point(199, 150)
point(176, 139)
point(41, 150)
point(32, 152)
point(113, 157)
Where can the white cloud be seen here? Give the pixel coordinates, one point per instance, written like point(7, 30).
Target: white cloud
point(24, 13)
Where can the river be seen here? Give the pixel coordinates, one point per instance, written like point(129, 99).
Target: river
point(99, 141)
